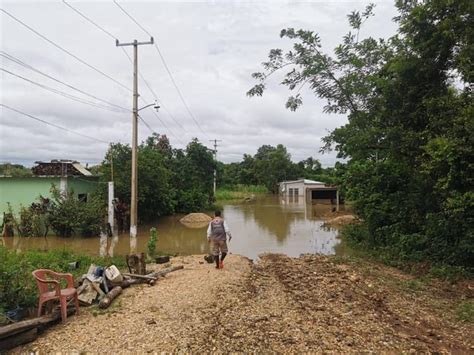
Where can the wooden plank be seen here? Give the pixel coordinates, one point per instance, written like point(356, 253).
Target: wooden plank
point(14, 328)
point(166, 271)
point(19, 339)
point(136, 276)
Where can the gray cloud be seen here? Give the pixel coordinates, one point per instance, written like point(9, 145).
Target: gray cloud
point(211, 48)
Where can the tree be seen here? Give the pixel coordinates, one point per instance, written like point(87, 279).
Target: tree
point(15, 170)
point(273, 165)
point(194, 177)
point(407, 140)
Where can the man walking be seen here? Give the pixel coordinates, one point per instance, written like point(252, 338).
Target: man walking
point(217, 233)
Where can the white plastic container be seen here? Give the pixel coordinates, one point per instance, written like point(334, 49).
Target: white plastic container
point(113, 274)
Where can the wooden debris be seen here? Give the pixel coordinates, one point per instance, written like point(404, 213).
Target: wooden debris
point(109, 297)
point(88, 294)
point(18, 339)
point(166, 271)
point(136, 276)
point(136, 263)
point(96, 287)
point(22, 326)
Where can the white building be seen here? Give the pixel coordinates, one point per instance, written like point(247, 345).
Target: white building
point(310, 191)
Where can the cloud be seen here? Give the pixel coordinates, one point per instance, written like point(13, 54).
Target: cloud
point(211, 49)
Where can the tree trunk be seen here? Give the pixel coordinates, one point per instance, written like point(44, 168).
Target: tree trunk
point(109, 297)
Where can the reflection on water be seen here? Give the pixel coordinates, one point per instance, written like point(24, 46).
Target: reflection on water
point(269, 224)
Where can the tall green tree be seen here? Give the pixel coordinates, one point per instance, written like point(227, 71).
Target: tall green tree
point(194, 177)
point(408, 140)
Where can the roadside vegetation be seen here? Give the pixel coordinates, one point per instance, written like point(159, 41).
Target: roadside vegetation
point(17, 285)
point(63, 214)
point(14, 170)
point(408, 142)
point(239, 192)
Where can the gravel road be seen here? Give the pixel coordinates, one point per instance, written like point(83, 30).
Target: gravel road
point(280, 304)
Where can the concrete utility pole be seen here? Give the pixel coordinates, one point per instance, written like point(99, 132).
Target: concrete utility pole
point(134, 189)
point(215, 160)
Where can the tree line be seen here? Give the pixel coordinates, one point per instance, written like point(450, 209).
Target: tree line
point(181, 180)
point(271, 165)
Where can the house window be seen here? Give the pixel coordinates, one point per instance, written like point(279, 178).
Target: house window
point(295, 192)
point(82, 197)
point(291, 191)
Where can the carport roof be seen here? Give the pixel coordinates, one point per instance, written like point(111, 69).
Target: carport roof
point(305, 181)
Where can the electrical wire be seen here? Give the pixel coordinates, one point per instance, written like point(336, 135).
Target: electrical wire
point(95, 24)
point(62, 93)
point(145, 101)
point(75, 98)
point(166, 68)
point(20, 62)
point(66, 51)
point(53, 124)
point(89, 20)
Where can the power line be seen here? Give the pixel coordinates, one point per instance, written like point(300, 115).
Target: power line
point(66, 51)
point(20, 62)
point(52, 124)
point(89, 20)
point(166, 68)
point(61, 93)
point(153, 93)
point(72, 97)
point(95, 24)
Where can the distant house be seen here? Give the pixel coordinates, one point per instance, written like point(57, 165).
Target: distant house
point(65, 174)
point(310, 191)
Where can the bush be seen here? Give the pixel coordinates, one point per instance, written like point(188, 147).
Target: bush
point(192, 201)
point(239, 191)
point(151, 245)
point(17, 285)
point(68, 215)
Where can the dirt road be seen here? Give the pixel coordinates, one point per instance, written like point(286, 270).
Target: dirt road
point(312, 303)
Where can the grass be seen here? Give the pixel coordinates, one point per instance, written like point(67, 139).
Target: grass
point(465, 312)
point(412, 285)
point(17, 286)
point(240, 192)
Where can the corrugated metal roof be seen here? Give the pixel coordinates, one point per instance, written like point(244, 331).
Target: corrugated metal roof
point(305, 181)
point(81, 169)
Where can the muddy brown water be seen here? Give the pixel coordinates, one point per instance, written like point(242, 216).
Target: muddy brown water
point(269, 224)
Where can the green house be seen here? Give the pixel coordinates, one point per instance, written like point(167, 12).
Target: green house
point(66, 175)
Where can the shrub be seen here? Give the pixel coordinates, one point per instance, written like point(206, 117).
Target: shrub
point(68, 215)
point(151, 245)
point(17, 285)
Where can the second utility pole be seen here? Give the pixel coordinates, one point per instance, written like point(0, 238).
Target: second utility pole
point(215, 161)
point(134, 188)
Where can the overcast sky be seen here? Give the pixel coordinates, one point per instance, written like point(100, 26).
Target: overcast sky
point(211, 49)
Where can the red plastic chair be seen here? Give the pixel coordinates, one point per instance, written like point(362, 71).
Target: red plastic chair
point(50, 289)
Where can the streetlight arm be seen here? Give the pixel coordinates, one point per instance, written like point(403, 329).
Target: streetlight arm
point(155, 105)
point(145, 107)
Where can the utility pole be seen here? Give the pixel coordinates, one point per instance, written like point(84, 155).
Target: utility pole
point(134, 189)
point(215, 160)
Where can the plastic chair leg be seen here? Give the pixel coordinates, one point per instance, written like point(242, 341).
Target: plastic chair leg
point(63, 309)
point(40, 308)
point(76, 303)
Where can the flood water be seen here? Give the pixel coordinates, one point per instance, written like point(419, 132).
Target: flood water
point(269, 224)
